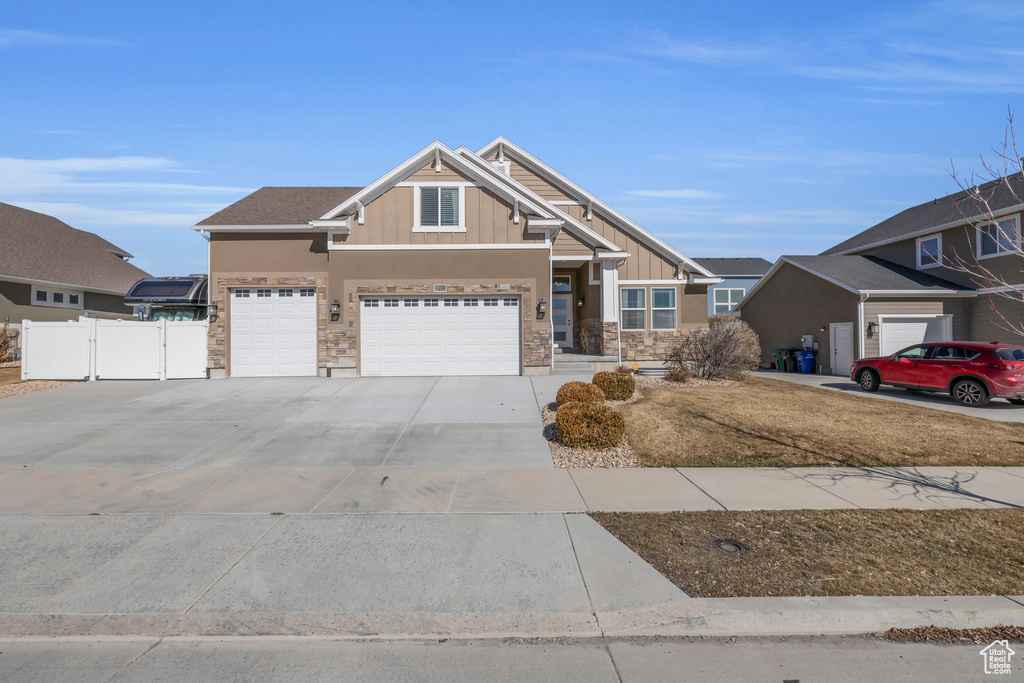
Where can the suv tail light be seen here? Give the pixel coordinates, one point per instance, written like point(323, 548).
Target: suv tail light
point(1001, 366)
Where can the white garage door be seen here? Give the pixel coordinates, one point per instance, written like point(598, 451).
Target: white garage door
point(439, 336)
point(273, 332)
point(899, 333)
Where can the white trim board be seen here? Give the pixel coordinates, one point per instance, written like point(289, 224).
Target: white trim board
point(59, 285)
point(289, 227)
point(431, 247)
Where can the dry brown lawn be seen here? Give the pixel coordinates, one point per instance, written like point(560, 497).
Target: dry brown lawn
point(10, 376)
point(832, 552)
point(767, 423)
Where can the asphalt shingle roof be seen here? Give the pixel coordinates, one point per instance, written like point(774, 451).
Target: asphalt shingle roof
point(735, 266)
point(281, 206)
point(39, 247)
point(937, 212)
point(875, 274)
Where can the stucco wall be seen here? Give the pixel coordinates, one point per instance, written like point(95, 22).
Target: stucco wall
point(16, 304)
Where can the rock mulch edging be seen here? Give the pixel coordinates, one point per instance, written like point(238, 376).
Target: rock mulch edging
point(623, 455)
point(11, 364)
point(29, 387)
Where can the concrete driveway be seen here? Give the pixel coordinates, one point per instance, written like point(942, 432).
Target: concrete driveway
point(288, 422)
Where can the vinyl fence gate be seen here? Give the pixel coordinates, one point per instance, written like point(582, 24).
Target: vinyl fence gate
point(92, 348)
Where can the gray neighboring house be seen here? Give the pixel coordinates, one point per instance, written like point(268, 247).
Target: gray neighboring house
point(739, 276)
point(897, 283)
point(50, 271)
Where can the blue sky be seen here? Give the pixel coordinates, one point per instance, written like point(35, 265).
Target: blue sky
point(728, 128)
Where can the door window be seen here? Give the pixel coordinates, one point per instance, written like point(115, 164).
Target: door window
point(914, 352)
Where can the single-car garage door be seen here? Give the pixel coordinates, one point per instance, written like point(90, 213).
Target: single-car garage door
point(898, 333)
point(439, 336)
point(273, 332)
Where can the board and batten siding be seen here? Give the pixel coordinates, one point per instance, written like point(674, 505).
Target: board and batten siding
point(388, 219)
point(958, 308)
point(567, 244)
point(994, 316)
point(642, 264)
point(532, 181)
point(428, 174)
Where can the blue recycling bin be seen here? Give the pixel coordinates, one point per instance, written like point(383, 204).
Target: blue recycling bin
point(806, 361)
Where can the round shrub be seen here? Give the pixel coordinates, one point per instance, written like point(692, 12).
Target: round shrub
point(579, 392)
point(679, 375)
point(616, 386)
point(589, 425)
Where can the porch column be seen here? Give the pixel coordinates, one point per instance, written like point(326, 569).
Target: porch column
point(609, 291)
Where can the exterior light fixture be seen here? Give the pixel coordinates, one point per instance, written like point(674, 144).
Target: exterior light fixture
point(335, 310)
point(872, 328)
point(212, 310)
point(542, 306)
point(579, 302)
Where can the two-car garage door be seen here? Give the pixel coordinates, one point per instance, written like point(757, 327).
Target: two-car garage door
point(464, 335)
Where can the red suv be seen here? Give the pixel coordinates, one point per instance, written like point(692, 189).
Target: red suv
point(972, 373)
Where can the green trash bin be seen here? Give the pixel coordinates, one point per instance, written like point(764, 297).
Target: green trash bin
point(780, 364)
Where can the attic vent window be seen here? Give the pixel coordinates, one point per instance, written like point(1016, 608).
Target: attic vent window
point(503, 166)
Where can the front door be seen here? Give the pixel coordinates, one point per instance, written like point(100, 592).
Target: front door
point(561, 319)
point(841, 335)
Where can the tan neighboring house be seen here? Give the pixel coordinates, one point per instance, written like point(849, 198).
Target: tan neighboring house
point(452, 263)
point(50, 271)
point(899, 283)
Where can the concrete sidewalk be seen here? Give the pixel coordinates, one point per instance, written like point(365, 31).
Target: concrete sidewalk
point(519, 490)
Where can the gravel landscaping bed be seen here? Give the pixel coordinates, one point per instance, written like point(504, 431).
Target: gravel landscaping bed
point(955, 636)
point(11, 384)
point(623, 455)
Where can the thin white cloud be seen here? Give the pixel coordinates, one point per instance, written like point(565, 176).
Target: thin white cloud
point(660, 45)
point(20, 38)
point(19, 177)
point(676, 194)
point(85, 216)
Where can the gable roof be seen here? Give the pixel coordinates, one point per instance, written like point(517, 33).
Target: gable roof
point(735, 267)
point(865, 275)
point(37, 247)
point(571, 188)
point(574, 226)
point(285, 206)
point(435, 151)
point(938, 214)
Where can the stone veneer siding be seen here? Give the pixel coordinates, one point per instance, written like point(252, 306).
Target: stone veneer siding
point(649, 344)
point(342, 344)
point(218, 334)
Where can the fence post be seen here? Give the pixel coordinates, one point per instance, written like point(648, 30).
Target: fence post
point(24, 347)
point(91, 323)
point(163, 349)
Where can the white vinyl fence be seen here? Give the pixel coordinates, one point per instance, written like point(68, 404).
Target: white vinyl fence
point(91, 348)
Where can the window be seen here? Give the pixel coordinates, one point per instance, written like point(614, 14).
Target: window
point(951, 353)
point(390, 303)
point(264, 293)
point(510, 302)
point(914, 352)
point(663, 308)
point(430, 303)
point(285, 292)
point(56, 298)
point(439, 209)
point(371, 303)
point(726, 299)
point(929, 251)
point(410, 303)
point(471, 302)
point(1001, 237)
point(307, 291)
point(451, 302)
point(490, 302)
point(241, 293)
point(1016, 355)
point(561, 283)
point(634, 309)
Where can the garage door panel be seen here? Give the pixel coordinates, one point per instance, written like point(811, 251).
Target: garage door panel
point(273, 333)
point(899, 333)
point(430, 336)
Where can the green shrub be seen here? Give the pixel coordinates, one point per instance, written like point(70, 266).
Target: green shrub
point(589, 425)
point(579, 392)
point(616, 386)
point(679, 375)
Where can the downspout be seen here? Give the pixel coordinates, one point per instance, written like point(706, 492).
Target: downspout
point(551, 281)
point(864, 296)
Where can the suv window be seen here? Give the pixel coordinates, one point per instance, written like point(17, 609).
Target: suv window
point(914, 352)
point(951, 353)
point(1010, 354)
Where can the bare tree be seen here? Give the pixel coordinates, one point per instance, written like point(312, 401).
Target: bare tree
point(985, 195)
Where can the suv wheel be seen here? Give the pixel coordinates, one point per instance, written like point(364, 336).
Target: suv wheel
point(970, 392)
point(869, 380)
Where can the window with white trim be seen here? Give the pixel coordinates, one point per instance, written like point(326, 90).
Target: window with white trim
point(663, 308)
point(929, 251)
point(57, 298)
point(430, 303)
point(634, 308)
point(439, 209)
point(727, 298)
point(410, 303)
point(307, 291)
point(390, 303)
point(1001, 237)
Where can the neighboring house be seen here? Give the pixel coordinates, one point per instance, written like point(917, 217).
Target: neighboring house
point(897, 284)
point(453, 263)
point(739, 275)
point(50, 271)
